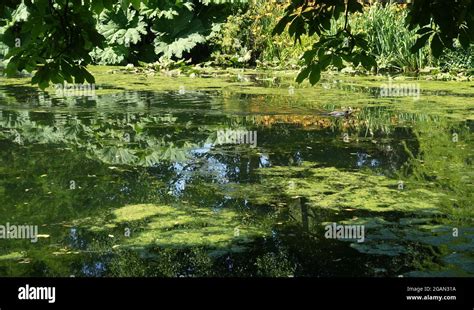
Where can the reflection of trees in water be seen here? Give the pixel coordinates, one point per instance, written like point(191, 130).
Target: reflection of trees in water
point(178, 151)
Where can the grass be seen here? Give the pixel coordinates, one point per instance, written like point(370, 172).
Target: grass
point(389, 38)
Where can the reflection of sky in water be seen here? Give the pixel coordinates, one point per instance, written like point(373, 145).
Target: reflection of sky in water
point(264, 161)
point(208, 166)
point(178, 185)
point(93, 270)
point(298, 158)
point(202, 150)
point(363, 159)
point(229, 263)
point(74, 239)
point(125, 190)
point(212, 166)
point(217, 170)
point(276, 238)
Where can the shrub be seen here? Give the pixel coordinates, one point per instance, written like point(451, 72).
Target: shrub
point(246, 38)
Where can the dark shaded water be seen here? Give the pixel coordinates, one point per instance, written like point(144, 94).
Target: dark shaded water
point(142, 184)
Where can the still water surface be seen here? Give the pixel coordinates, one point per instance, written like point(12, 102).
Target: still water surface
point(158, 183)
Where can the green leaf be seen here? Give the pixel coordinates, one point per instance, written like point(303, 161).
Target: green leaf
point(337, 61)
point(356, 60)
point(420, 42)
point(354, 6)
point(97, 6)
point(108, 4)
point(315, 74)
point(362, 43)
point(436, 46)
point(78, 74)
point(66, 71)
point(308, 56)
point(179, 46)
point(57, 78)
point(89, 77)
point(42, 77)
point(136, 4)
point(125, 4)
point(303, 74)
point(367, 61)
point(11, 68)
point(280, 26)
point(464, 39)
point(324, 62)
point(297, 27)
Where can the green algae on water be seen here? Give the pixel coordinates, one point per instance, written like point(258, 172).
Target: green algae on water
point(182, 226)
point(331, 188)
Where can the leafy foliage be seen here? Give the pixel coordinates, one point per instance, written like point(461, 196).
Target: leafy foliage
point(457, 59)
point(389, 39)
point(314, 18)
point(439, 22)
point(59, 39)
point(246, 38)
point(52, 38)
point(121, 28)
point(157, 29)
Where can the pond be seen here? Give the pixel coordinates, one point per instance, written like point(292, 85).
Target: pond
point(237, 174)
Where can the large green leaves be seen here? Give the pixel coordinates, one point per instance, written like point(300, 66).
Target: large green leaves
point(183, 26)
point(146, 31)
point(121, 29)
point(52, 38)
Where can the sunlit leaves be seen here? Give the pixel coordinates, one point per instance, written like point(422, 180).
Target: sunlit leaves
point(123, 28)
point(20, 14)
point(330, 51)
point(315, 18)
point(179, 46)
point(117, 156)
point(146, 31)
point(43, 36)
point(297, 27)
point(441, 22)
point(110, 55)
